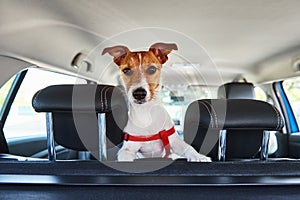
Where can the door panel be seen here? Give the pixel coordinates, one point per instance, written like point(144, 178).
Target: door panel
point(27, 146)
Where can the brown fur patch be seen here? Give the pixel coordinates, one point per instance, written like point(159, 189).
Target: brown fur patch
point(138, 64)
point(139, 70)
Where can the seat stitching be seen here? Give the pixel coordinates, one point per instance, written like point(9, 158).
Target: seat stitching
point(215, 113)
point(277, 118)
point(106, 99)
point(104, 92)
point(101, 99)
point(211, 116)
point(279, 121)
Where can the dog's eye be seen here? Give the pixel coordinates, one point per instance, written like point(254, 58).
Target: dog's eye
point(151, 70)
point(127, 71)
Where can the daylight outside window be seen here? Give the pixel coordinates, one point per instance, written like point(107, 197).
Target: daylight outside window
point(292, 89)
point(22, 120)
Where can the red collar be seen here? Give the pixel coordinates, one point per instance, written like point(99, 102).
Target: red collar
point(162, 135)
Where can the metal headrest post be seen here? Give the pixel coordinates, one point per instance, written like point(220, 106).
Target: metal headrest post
point(222, 145)
point(102, 136)
point(265, 145)
point(50, 137)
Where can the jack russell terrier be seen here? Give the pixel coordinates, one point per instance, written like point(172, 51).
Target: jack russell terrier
point(149, 131)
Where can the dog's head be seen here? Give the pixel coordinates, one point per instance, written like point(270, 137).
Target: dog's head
point(141, 70)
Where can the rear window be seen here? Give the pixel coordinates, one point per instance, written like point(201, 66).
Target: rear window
point(176, 100)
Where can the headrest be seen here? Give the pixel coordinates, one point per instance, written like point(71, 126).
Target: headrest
point(234, 114)
point(236, 90)
point(80, 131)
point(85, 98)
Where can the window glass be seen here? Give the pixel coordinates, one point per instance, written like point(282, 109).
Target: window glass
point(4, 90)
point(260, 94)
point(22, 119)
point(177, 99)
point(292, 90)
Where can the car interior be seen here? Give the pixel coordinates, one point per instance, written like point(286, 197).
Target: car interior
point(232, 90)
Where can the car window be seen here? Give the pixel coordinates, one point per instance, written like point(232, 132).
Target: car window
point(292, 90)
point(260, 94)
point(4, 90)
point(176, 101)
point(22, 120)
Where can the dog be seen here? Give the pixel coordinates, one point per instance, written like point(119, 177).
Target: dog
point(149, 131)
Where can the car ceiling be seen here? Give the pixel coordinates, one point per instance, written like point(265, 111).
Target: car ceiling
point(256, 39)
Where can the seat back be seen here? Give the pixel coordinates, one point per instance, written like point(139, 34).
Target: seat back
point(247, 139)
point(236, 90)
point(207, 122)
point(77, 116)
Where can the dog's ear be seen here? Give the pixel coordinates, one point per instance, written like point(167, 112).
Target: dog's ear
point(118, 52)
point(161, 50)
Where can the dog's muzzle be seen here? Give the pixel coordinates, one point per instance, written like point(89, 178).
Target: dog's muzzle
point(139, 95)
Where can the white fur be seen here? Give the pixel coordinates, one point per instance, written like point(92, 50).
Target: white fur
point(147, 119)
point(143, 83)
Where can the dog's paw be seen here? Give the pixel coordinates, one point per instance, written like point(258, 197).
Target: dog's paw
point(126, 156)
point(194, 156)
point(199, 158)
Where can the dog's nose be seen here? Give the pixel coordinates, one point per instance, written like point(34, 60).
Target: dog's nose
point(139, 94)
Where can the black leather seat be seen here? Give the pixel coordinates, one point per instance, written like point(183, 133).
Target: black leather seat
point(242, 142)
point(244, 90)
point(207, 122)
point(79, 117)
